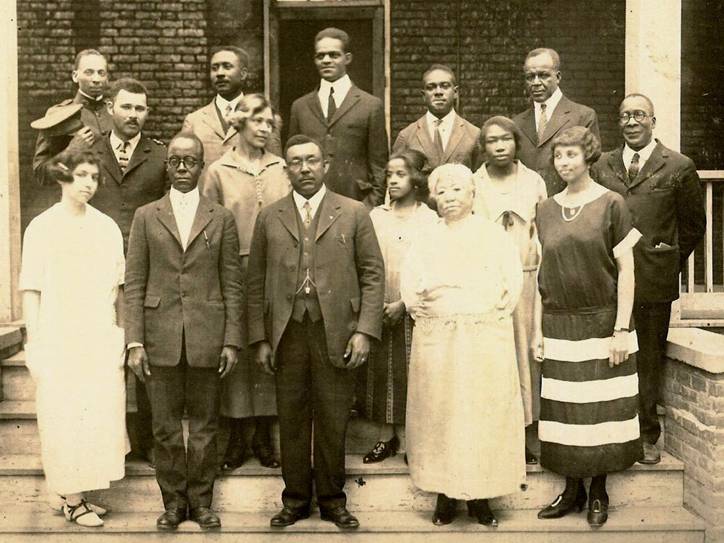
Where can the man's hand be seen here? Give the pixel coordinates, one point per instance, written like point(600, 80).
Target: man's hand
point(357, 351)
point(227, 360)
point(264, 357)
point(138, 362)
point(82, 139)
point(394, 312)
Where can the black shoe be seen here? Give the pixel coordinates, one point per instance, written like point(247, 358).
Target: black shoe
point(382, 450)
point(597, 512)
point(445, 510)
point(170, 519)
point(480, 509)
point(341, 517)
point(288, 516)
point(530, 458)
point(561, 507)
point(651, 454)
point(206, 518)
point(264, 451)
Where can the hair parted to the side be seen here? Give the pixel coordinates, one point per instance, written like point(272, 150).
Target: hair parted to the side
point(63, 164)
point(546, 51)
point(334, 33)
point(301, 139)
point(87, 53)
point(415, 162)
point(250, 105)
point(242, 55)
point(443, 68)
point(127, 84)
point(578, 136)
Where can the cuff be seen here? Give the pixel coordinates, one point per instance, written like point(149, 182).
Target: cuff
point(627, 243)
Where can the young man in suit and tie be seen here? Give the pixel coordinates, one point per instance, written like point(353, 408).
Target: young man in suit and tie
point(315, 299)
point(551, 113)
point(441, 134)
point(134, 170)
point(662, 189)
point(228, 70)
point(183, 328)
point(348, 122)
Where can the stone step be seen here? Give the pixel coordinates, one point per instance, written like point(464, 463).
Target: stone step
point(16, 381)
point(626, 525)
point(370, 487)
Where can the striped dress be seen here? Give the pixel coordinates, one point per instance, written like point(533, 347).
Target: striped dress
point(588, 422)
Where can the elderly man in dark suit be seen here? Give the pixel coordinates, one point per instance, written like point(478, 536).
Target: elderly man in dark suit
point(441, 134)
point(315, 298)
point(348, 122)
point(662, 189)
point(551, 113)
point(90, 73)
point(183, 328)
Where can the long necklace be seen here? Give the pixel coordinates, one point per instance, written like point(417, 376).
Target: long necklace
point(575, 212)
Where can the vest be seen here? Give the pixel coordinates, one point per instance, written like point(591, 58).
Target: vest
point(305, 299)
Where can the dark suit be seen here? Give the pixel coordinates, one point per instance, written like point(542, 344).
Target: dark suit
point(463, 146)
point(355, 142)
point(184, 306)
point(349, 276)
point(94, 115)
point(537, 154)
point(667, 207)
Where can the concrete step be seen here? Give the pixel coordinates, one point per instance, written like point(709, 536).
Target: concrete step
point(626, 525)
point(370, 487)
point(16, 381)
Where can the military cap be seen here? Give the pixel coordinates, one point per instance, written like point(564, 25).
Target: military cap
point(61, 120)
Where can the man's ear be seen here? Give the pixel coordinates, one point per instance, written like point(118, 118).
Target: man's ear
point(244, 72)
point(326, 165)
point(74, 76)
point(348, 56)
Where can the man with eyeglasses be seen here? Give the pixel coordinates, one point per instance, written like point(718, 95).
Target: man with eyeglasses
point(184, 298)
point(662, 189)
point(347, 121)
point(441, 134)
point(551, 112)
point(315, 298)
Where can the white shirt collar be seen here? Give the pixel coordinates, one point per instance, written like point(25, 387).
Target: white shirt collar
point(222, 103)
point(314, 201)
point(116, 142)
point(341, 88)
point(644, 154)
point(445, 125)
point(551, 104)
point(184, 198)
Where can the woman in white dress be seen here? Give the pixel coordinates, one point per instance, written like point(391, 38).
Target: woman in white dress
point(508, 193)
point(71, 278)
point(464, 426)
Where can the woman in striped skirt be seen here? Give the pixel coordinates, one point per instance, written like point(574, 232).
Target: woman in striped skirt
point(588, 422)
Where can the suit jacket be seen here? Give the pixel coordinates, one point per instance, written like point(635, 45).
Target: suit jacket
point(171, 293)
point(143, 181)
point(537, 154)
point(92, 115)
point(462, 148)
point(205, 124)
point(349, 272)
point(355, 142)
point(667, 206)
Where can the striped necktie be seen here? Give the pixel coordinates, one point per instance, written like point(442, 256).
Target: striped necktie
point(123, 155)
point(633, 169)
point(542, 122)
point(438, 138)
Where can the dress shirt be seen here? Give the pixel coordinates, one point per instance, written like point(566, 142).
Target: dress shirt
point(341, 88)
point(222, 103)
point(116, 142)
point(551, 104)
point(644, 154)
point(446, 126)
point(314, 201)
point(184, 207)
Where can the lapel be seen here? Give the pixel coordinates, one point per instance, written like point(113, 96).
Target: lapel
point(329, 210)
point(110, 164)
point(656, 161)
point(528, 126)
point(204, 214)
point(559, 119)
point(288, 216)
point(164, 213)
point(353, 96)
point(423, 136)
point(456, 136)
point(211, 118)
point(615, 163)
point(312, 101)
point(139, 156)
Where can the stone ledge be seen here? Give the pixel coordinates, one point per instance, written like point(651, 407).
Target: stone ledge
point(697, 347)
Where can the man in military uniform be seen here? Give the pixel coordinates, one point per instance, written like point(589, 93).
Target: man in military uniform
point(90, 72)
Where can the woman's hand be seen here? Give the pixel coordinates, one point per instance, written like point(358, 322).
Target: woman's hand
point(618, 350)
point(394, 311)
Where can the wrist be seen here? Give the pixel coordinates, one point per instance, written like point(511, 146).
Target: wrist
point(621, 330)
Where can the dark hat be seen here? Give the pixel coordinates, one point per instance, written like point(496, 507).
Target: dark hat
point(60, 120)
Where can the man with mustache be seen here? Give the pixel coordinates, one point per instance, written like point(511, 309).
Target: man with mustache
point(551, 113)
point(134, 170)
point(662, 189)
point(228, 70)
point(90, 72)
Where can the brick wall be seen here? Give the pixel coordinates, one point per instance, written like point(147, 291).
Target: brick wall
point(485, 42)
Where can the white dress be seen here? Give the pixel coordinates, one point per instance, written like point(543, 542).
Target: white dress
point(77, 353)
point(465, 433)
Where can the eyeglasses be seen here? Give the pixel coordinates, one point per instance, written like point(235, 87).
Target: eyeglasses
point(638, 116)
point(297, 163)
point(188, 161)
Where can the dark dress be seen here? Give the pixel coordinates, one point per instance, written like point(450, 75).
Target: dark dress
point(588, 423)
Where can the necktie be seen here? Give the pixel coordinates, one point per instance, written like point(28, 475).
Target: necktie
point(307, 214)
point(542, 122)
point(228, 111)
point(123, 156)
point(633, 169)
point(438, 138)
point(331, 105)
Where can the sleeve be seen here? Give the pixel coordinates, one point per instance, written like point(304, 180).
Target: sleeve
point(210, 185)
point(377, 154)
point(231, 283)
point(255, 282)
point(400, 142)
point(32, 269)
point(512, 271)
point(371, 276)
point(293, 121)
point(135, 279)
point(410, 276)
point(187, 127)
point(690, 211)
point(592, 124)
point(119, 260)
point(622, 233)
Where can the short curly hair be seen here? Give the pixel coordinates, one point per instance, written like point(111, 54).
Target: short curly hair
point(250, 105)
point(578, 136)
point(448, 171)
point(62, 166)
